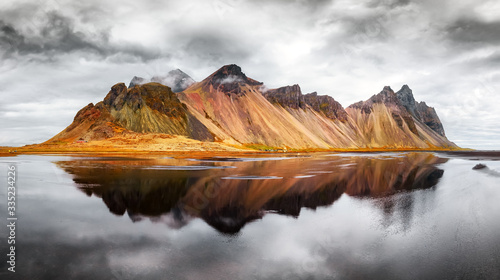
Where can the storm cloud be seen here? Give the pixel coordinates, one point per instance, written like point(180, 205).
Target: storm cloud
point(59, 55)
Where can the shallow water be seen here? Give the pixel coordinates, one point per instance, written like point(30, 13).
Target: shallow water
point(325, 216)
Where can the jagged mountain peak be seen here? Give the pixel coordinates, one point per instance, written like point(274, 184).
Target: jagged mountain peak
point(405, 95)
point(420, 110)
point(405, 87)
point(228, 80)
point(386, 96)
point(177, 71)
point(406, 92)
point(175, 79)
point(137, 81)
point(230, 70)
point(387, 89)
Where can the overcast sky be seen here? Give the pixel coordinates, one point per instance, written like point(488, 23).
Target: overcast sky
point(58, 56)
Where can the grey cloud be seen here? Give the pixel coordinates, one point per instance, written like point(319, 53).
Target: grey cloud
point(215, 48)
point(374, 28)
point(58, 35)
point(388, 3)
point(90, 13)
point(311, 5)
point(484, 63)
point(472, 31)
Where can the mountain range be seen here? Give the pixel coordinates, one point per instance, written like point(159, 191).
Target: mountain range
point(230, 108)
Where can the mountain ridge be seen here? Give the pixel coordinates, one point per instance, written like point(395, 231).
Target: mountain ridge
point(231, 108)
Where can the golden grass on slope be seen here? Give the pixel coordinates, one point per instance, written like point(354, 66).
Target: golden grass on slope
point(182, 148)
point(131, 142)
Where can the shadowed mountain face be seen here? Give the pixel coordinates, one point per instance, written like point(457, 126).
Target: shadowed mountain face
point(232, 108)
point(222, 192)
point(420, 111)
point(430, 118)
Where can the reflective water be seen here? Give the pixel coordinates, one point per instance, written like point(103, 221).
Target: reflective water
point(321, 216)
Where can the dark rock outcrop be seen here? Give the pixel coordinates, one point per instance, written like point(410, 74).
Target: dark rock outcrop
point(430, 118)
point(420, 111)
point(479, 166)
point(327, 105)
point(116, 95)
point(405, 95)
point(229, 79)
point(289, 96)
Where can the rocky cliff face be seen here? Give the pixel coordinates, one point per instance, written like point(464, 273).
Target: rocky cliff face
point(289, 96)
point(430, 118)
point(420, 111)
point(405, 96)
point(326, 105)
point(292, 97)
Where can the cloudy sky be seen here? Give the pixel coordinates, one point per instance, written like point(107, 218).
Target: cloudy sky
point(57, 55)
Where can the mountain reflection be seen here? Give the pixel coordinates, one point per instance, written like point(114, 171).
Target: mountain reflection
point(215, 191)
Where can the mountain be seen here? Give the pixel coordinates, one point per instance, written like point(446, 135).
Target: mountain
point(236, 109)
point(229, 107)
point(391, 119)
point(175, 79)
point(147, 108)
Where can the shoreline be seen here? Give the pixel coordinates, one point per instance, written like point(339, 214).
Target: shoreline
point(189, 151)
